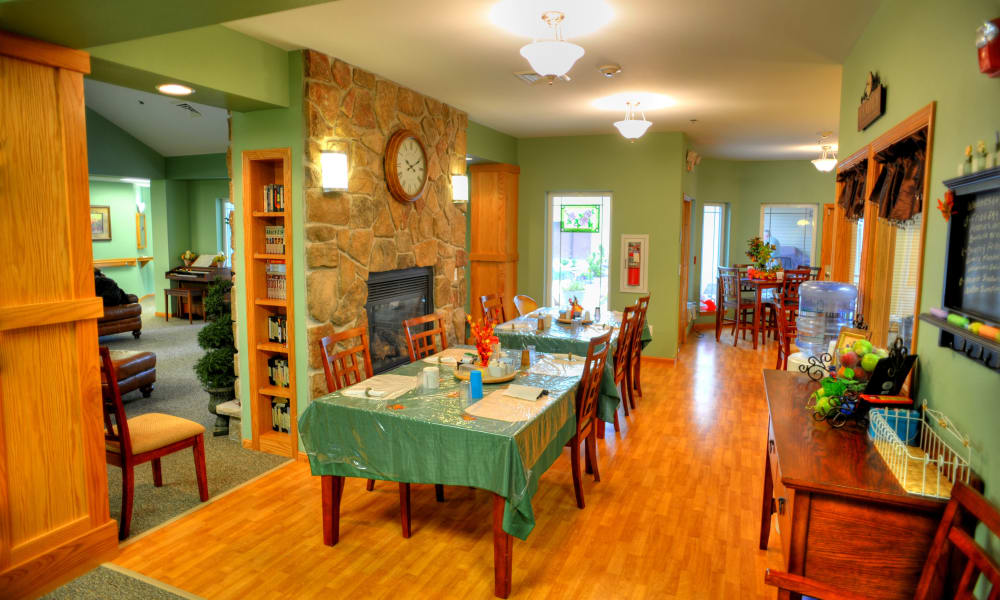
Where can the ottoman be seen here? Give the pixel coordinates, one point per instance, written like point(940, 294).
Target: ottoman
point(136, 370)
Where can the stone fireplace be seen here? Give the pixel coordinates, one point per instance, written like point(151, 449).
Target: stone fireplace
point(353, 238)
point(393, 297)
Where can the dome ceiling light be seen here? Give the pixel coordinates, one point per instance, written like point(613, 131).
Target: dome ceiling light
point(828, 157)
point(553, 57)
point(631, 127)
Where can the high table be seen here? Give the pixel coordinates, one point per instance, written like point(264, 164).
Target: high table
point(428, 436)
point(561, 338)
point(758, 286)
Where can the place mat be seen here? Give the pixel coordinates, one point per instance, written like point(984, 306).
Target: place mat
point(518, 326)
point(524, 392)
point(501, 407)
point(450, 356)
point(383, 387)
point(558, 364)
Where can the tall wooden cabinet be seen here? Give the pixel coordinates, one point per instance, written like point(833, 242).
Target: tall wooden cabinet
point(267, 248)
point(54, 516)
point(493, 254)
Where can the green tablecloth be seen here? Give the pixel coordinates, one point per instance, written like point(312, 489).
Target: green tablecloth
point(423, 437)
point(562, 339)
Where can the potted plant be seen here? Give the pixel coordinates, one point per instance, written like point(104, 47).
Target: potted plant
point(759, 252)
point(215, 368)
point(188, 257)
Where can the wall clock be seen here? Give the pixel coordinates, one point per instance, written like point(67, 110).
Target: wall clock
point(405, 166)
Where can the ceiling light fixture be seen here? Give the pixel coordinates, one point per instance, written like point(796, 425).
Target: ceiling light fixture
point(827, 160)
point(631, 127)
point(174, 89)
point(552, 57)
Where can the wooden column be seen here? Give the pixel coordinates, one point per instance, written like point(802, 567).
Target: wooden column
point(493, 254)
point(54, 521)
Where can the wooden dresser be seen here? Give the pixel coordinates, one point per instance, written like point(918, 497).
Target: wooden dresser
point(842, 517)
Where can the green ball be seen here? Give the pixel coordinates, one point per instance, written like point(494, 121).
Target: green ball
point(868, 361)
point(862, 347)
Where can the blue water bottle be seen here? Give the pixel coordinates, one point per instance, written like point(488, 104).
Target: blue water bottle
point(476, 384)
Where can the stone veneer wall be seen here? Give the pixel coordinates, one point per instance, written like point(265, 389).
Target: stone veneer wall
point(351, 234)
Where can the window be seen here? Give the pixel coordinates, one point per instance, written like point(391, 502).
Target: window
point(857, 240)
point(711, 249)
point(903, 299)
point(792, 229)
point(227, 237)
point(578, 250)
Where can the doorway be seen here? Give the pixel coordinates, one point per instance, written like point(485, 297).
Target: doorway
point(682, 308)
point(579, 241)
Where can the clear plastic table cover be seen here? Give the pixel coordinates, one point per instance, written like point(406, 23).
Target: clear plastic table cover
point(562, 338)
point(426, 436)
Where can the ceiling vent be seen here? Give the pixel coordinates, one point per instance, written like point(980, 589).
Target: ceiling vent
point(532, 78)
point(190, 109)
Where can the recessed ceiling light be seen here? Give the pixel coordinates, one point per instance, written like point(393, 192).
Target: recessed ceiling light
point(520, 17)
point(647, 100)
point(174, 89)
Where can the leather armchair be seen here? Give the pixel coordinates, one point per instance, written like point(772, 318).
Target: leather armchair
point(118, 319)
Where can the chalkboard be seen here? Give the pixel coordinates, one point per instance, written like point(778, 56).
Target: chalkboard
point(972, 269)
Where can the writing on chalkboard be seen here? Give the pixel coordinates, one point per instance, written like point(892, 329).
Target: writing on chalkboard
point(980, 282)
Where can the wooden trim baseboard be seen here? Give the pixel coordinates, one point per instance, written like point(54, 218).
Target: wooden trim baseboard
point(141, 298)
point(160, 314)
point(247, 443)
point(660, 360)
point(704, 326)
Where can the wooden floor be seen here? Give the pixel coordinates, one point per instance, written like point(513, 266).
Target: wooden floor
point(676, 514)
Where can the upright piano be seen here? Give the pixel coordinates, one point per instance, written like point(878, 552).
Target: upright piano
point(195, 278)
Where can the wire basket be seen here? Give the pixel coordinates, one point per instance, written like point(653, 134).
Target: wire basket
point(934, 462)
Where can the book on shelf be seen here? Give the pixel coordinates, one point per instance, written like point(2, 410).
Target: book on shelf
point(274, 197)
point(274, 239)
point(280, 417)
point(277, 329)
point(274, 279)
point(277, 371)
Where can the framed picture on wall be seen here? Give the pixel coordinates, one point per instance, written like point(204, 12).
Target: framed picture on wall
point(100, 223)
point(635, 264)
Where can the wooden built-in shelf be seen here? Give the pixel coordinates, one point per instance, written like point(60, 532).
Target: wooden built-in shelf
point(103, 263)
point(262, 168)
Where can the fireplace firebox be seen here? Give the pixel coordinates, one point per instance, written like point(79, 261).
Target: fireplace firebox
point(393, 297)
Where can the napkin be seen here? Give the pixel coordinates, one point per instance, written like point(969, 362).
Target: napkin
point(524, 392)
point(518, 326)
point(382, 387)
point(451, 356)
point(500, 407)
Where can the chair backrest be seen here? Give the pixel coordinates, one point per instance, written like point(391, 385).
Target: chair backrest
point(789, 291)
point(115, 423)
point(351, 365)
point(641, 305)
point(729, 284)
point(524, 304)
point(813, 271)
point(784, 318)
point(955, 551)
point(626, 334)
point(421, 343)
point(493, 308)
point(589, 389)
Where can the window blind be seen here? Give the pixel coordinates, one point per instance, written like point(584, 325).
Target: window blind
point(790, 228)
point(905, 261)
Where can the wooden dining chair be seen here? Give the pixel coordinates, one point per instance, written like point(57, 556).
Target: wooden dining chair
point(728, 297)
point(813, 271)
point(524, 304)
point(635, 360)
point(144, 438)
point(349, 366)
point(622, 356)
point(493, 308)
point(743, 306)
point(954, 563)
point(786, 331)
point(421, 343)
point(588, 393)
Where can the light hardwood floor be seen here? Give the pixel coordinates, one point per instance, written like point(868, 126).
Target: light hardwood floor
point(676, 514)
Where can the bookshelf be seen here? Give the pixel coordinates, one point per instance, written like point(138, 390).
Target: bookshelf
point(267, 226)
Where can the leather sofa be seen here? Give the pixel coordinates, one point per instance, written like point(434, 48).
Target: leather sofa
point(121, 318)
point(135, 370)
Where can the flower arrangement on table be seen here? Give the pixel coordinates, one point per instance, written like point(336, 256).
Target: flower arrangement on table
point(486, 340)
point(759, 252)
point(575, 307)
point(188, 257)
point(218, 259)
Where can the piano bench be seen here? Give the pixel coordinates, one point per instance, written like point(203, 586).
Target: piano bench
point(190, 298)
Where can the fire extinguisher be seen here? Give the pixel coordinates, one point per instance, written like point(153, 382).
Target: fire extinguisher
point(633, 265)
point(988, 46)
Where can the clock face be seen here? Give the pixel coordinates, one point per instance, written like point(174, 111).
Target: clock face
point(411, 166)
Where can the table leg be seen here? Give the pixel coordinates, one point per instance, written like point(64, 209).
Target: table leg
point(756, 316)
point(503, 551)
point(333, 489)
point(767, 505)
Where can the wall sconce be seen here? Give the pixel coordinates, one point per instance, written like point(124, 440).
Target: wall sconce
point(334, 167)
point(459, 189)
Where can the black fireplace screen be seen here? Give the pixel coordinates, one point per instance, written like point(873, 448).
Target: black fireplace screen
point(393, 297)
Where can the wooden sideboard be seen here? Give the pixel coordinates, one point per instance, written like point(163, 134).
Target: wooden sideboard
point(842, 516)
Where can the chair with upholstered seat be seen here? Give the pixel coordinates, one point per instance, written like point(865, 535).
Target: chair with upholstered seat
point(524, 304)
point(492, 305)
point(587, 393)
point(144, 438)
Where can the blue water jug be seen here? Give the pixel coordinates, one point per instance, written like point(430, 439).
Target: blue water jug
point(476, 384)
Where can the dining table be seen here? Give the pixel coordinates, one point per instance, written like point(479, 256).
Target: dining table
point(570, 338)
point(757, 286)
point(398, 427)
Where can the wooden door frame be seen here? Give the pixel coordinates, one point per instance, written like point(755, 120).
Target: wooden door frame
point(687, 207)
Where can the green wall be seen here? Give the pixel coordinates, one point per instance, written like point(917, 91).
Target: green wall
point(645, 181)
point(924, 52)
point(197, 166)
point(274, 128)
point(490, 144)
point(113, 152)
point(205, 214)
point(120, 198)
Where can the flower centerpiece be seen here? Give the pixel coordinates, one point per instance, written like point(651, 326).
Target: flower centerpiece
point(759, 252)
point(575, 308)
point(218, 259)
point(188, 257)
point(486, 340)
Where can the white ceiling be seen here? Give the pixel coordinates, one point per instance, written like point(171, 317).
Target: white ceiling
point(761, 77)
point(157, 121)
